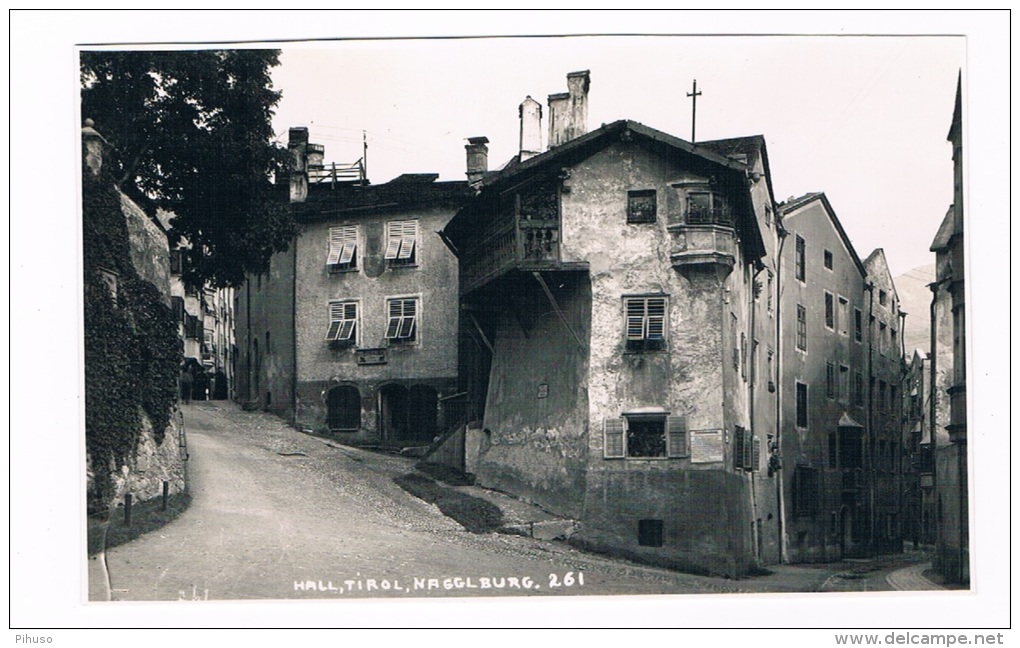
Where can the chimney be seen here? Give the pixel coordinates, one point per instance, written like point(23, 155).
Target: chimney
point(95, 147)
point(297, 145)
point(568, 111)
point(477, 158)
point(530, 112)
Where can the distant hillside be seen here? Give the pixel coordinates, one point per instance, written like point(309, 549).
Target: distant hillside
point(915, 298)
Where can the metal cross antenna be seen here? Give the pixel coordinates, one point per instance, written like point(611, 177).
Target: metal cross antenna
point(694, 94)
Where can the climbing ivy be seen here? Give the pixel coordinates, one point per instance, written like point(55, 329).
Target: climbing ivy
point(132, 349)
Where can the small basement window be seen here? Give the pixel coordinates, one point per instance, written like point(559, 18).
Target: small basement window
point(650, 533)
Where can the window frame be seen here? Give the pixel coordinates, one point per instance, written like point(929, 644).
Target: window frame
point(412, 321)
point(616, 435)
point(801, 421)
point(639, 194)
point(342, 241)
point(802, 333)
point(800, 259)
point(402, 250)
point(352, 336)
point(830, 311)
point(827, 260)
point(843, 315)
point(646, 341)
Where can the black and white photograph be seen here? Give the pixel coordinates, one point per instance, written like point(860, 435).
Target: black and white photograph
point(420, 319)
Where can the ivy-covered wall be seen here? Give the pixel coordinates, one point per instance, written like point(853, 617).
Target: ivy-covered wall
point(132, 358)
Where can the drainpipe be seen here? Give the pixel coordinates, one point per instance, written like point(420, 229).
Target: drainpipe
point(751, 380)
point(932, 393)
point(783, 548)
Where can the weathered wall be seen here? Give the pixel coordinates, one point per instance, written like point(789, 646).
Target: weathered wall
point(431, 360)
point(537, 406)
point(149, 253)
point(153, 464)
point(952, 558)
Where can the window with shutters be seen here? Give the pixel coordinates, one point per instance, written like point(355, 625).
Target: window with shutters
point(746, 449)
point(402, 243)
point(801, 328)
point(645, 323)
point(858, 326)
point(641, 206)
point(343, 323)
point(343, 248)
point(802, 417)
point(806, 491)
point(830, 311)
point(800, 259)
point(402, 320)
point(645, 436)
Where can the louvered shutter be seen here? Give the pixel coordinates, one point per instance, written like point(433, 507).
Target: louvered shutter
point(635, 319)
point(613, 438)
point(336, 244)
point(755, 454)
point(656, 318)
point(738, 448)
point(408, 238)
point(676, 436)
point(395, 308)
point(748, 448)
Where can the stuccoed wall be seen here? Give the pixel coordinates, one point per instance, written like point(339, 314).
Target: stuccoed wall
point(149, 252)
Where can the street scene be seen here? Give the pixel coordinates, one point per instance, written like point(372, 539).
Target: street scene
point(340, 524)
point(574, 332)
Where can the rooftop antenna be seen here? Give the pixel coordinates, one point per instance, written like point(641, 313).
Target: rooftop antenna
point(694, 94)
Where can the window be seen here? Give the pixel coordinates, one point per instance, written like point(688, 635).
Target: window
point(641, 206)
point(646, 323)
point(893, 344)
point(768, 215)
point(858, 388)
point(828, 260)
point(645, 435)
point(844, 384)
point(802, 419)
point(770, 371)
point(881, 297)
point(743, 356)
point(746, 450)
point(707, 208)
point(881, 338)
point(768, 297)
point(401, 243)
point(343, 323)
point(830, 380)
point(176, 262)
point(806, 491)
point(858, 325)
point(735, 342)
point(801, 328)
point(830, 311)
point(650, 533)
point(343, 247)
point(403, 320)
point(892, 400)
point(844, 316)
point(177, 303)
point(881, 394)
point(800, 258)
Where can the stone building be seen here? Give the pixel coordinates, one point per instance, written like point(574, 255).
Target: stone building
point(841, 365)
point(949, 366)
point(918, 500)
point(618, 286)
point(353, 331)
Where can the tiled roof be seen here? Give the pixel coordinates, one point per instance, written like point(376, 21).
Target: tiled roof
point(403, 192)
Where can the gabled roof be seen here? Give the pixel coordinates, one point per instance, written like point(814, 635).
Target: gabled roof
point(701, 156)
point(751, 146)
point(793, 204)
point(946, 231)
point(877, 257)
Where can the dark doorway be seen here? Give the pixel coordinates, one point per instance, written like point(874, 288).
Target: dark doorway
point(408, 415)
point(393, 401)
point(344, 409)
point(220, 386)
point(423, 413)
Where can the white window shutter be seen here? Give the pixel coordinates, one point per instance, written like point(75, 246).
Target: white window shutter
point(614, 438)
point(676, 436)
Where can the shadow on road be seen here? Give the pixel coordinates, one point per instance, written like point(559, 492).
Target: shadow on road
point(474, 514)
point(112, 531)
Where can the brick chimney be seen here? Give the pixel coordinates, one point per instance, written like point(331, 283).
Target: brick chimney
point(477, 158)
point(297, 145)
point(568, 111)
point(530, 112)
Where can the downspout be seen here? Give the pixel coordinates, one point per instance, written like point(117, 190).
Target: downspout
point(752, 371)
point(293, 334)
point(783, 548)
point(934, 522)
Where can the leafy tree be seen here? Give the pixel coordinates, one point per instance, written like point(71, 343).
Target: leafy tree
point(192, 130)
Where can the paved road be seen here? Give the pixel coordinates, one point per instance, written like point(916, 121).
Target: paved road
point(277, 514)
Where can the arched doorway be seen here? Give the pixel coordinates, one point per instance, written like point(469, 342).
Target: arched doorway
point(343, 405)
point(393, 422)
point(423, 413)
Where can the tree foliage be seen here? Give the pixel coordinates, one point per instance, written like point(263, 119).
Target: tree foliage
point(192, 130)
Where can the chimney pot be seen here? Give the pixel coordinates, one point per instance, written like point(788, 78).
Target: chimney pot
point(297, 144)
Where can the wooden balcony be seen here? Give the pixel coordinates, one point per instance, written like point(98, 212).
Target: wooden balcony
point(506, 245)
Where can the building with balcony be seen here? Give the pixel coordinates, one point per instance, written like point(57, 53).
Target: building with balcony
point(620, 295)
point(353, 331)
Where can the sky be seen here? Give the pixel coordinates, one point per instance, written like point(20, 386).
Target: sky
point(863, 119)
